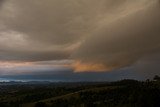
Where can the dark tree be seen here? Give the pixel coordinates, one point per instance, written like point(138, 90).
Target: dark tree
point(156, 78)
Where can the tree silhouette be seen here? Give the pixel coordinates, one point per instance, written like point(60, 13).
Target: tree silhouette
point(156, 78)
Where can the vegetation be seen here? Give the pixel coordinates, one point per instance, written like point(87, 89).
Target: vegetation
point(124, 93)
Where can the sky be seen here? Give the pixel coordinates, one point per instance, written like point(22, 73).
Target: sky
point(79, 40)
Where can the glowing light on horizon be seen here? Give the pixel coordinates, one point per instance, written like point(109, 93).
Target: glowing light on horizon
point(89, 67)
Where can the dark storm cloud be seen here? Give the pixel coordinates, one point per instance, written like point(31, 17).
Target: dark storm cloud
point(95, 35)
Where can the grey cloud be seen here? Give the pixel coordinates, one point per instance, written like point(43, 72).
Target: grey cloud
point(1, 2)
point(43, 26)
point(56, 22)
point(113, 33)
point(147, 66)
point(33, 56)
point(124, 41)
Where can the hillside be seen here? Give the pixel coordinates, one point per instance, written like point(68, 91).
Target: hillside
point(124, 93)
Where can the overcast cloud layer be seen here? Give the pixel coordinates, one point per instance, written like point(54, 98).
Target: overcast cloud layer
point(78, 35)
